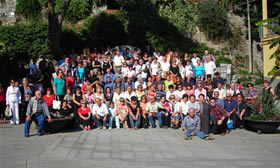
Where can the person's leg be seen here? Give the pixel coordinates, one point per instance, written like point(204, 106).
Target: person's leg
point(110, 121)
point(214, 129)
point(151, 119)
point(98, 124)
point(16, 113)
point(132, 125)
point(41, 119)
point(200, 134)
point(159, 117)
point(188, 133)
point(233, 117)
point(117, 120)
point(138, 121)
point(27, 127)
point(163, 118)
point(223, 127)
point(104, 122)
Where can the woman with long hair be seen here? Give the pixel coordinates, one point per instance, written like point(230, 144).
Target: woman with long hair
point(13, 99)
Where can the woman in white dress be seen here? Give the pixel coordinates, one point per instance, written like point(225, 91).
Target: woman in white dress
point(13, 99)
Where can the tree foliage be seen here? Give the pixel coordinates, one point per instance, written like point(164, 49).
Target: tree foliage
point(213, 20)
point(24, 41)
point(30, 9)
point(104, 29)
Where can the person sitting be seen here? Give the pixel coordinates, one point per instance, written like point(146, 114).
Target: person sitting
point(100, 113)
point(251, 94)
point(170, 92)
point(49, 98)
point(37, 109)
point(194, 104)
point(233, 91)
point(160, 92)
point(140, 82)
point(242, 111)
point(84, 113)
point(184, 107)
point(119, 84)
point(230, 107)
point(165, 111)
point(153, 110)
point(129, 94)
point(199, 90)
point(219, 126)
point(134, 113)
point(122, 111)
point(179, 92)
point(113, 116)
point(191, 126)
point(110, 75)
point(174, 111)
point(143, 105)
point(218, 101)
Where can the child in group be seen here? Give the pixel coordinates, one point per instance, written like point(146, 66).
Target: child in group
point(113, 116)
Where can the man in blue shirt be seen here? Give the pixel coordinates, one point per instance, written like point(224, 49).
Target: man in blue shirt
point(108, 74)
point(218, 79)
point(230, 106)
point(191, 126)
point(219, 101)
point(109, 84)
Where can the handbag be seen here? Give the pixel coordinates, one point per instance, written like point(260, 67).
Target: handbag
point(229, 124)
point(56, 104)
point(8, 112)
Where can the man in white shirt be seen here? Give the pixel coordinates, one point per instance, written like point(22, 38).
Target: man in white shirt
point(140, 82)
point(179, 92)
point(118, 60)
point(99, 113)
point(221, 90)
point(194, 59)
point(128, 94)
point(165, 66)
point(209, 66)
point(184, 107)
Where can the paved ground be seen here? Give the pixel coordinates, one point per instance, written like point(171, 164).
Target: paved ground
point(142, 148)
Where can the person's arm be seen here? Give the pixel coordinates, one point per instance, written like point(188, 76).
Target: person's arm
point(74, 100)
point(138, 112)
point(28, 111)
point(19, 96)
point(181, 112)
point(46, 110)
point(89, 115)
point(184, 126)
point(197, 127)
point(54, 87)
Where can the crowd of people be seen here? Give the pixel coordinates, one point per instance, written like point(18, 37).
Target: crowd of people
point(124, 88)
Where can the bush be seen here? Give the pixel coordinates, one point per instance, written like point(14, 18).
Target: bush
point(223, 60)
point(30, 9)
point(24, 41)
point(213, 20)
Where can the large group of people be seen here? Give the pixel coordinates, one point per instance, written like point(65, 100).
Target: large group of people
point(124, 88)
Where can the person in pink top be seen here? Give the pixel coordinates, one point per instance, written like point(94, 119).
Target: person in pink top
point(189, 90)
point(199, 91)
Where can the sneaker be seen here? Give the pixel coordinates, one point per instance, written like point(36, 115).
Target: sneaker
point(208, 138)
point(110, 128)
point(89, 128)
point(26, 136)
point(118, 127)
point(11, 122)
point(17, 123)
point(85, 128)
point(187, 138)
point(154, 126)
point(98, 128)
point(104, 128)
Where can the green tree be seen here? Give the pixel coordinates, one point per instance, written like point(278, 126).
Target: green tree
point(213, 20)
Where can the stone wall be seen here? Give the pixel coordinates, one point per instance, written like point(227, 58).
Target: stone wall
point(7, 12)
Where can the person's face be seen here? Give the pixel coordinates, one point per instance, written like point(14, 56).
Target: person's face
point(153, 100)
point(38, 95)
point(206, 52)
point(133, 101)
point(219, 86)
point(129, 89)
point(66, 60)
point(78, 90)
point(140, 88)
point(64, 104)
point(186, 56)
point(194, 55)
point(201, 98)
point(216, 95)
point(118, 90)
point(191, 113)
point(250, 87)
point(68, 91)
point(98, 102)
point(118, 80)
point(49, 92)
point(118, 53)
point(180, 88)
point(189, 87)
point(198, 62)
point(111, 105)
point(24, 82)
point(122, 101)
point(162, 100)
point(265, 84)
point(192, 99)
point(232, 86)
point(228, 97)
point(108, 80)
point(144, 99)
point(60, 73)
point(199, 77)
point(239, 98)
point(159, 87)
point(212, 103)
point(108, 71)
point(199, 86)
point(108, 90)
point(12, 83)
point(185, 99)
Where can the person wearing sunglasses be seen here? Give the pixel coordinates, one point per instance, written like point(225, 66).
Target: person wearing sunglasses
point(100, 113)
point(123, 111)
point(230, 106)
point(134, 113)
point(13, 99)
point(251, 94)
point(84, 113)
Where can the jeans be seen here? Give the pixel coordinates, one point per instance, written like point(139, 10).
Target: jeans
point(134, 123)
point(116, 119)
point(198, 133)
point(40, 118)
point(98, 122)
point(159, 117)
point(233, 117)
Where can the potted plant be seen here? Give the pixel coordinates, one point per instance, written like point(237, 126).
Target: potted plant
point(265, 114)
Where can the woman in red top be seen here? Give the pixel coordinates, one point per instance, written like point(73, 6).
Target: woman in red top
point(69, 80)
point(2, 104)
point(151, 93)
point(49, 98)
point(84, 113)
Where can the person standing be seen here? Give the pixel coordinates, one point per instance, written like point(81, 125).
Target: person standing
point(27, 94)
point(13, 99)
point(59, 86)
point(37, 109)
point(2, 104)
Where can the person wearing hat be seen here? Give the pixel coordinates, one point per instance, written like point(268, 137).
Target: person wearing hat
point(218, 79)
